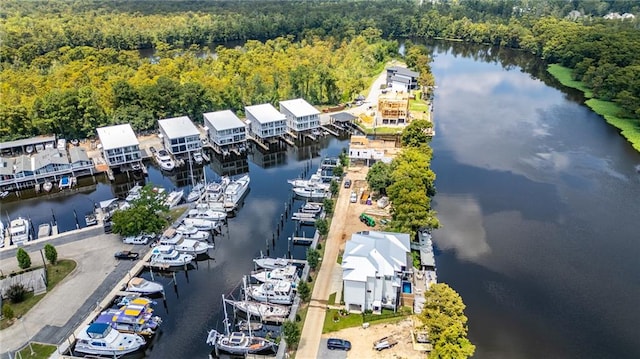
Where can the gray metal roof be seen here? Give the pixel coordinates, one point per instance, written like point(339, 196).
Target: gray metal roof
point(401, 79)
point(117, 136)
point(343, 117)
point(27, 142)
point(223, 120)
point(49, 156)
point(299, 107)
point(22, 163)
point(403, 71)
point(265, 113)
point(178, 127)
point(78, 154)
point(6, 166)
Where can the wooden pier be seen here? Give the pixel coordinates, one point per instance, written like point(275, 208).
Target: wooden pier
point(326, 128)
point(258, 142)
point(302, 241)
point(286, 140)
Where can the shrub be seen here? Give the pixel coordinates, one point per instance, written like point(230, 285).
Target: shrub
point(319, 246)
point(298, 317)
point(322, 225)
point(24, 261)
point(51, 253)
point(7, 312)
point(17, 293)
point(291, 333)
point(313, 258)
point(304, 291)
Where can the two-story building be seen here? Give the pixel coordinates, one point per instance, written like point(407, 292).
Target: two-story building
point(402, 79)
point(265, 121)
point(374, 265)
point(120, 145)
point(225, 130)
point(369, 151)
point(180, 136)
point(393, 108)
point(301, 116)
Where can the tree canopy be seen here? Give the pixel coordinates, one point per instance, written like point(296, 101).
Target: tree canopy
point(146, 214)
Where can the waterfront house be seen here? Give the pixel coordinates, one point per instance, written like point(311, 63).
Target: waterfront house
point(301, 116)
point(374, 265)
point(265, 121)
point(393, 108)
point(26, 145)
point(402, 79)
point(6, 169)
point(367, 151)
point(50, 161)
point(180, 136)
point(79, 159)
point(225, 130)
point(120, 145)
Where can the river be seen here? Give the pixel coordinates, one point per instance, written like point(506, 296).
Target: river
point(539, 202)
point(538, 198)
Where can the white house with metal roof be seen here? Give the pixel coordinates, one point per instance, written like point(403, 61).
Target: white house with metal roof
point(402, 79)
point(373, 267)
point(225, 129)
point(179, 135)
point(265, 121)
point(301, 116)
point(119, 145)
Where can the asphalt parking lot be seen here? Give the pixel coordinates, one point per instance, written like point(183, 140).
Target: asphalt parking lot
point(325, 353)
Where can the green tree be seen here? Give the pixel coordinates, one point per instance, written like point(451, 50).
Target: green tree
point(291, 333)
point(24, 261)
point(443, 317)
point(415, 134)
point(7, 311)
point(334, 187)
point(322, 225)
point(328, 205)
point(338, 171)
point(146, 214)
point(344, 158)
point(51, 253)
point(379, 177)
point(304, 291)
point(313, 258)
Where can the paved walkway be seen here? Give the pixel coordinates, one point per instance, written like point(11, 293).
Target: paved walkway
point(61, 310)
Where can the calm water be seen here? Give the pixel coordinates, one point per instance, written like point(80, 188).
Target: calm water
point(540, 207)
point(538, 198)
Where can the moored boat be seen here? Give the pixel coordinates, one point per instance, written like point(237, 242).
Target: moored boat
point(196, 192)
point(102, 339)
point(191, 232)
point(163, 158)
point(182, 245)
point(311, 208)
point(19, 231)
point(143, 286)
point(174, 198)
point(134, 317)
point(134, 193)
point(288, 273)
point(311, 192)
point(271, 263)
point(235, 191)
point(277, 292)
point(202, 224)
point(167, 255)
point(44, 230)
point(207, 214)
point(266, 312)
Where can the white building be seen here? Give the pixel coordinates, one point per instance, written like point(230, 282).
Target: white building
point(119, 145)
point(179, 135)
point(301, 116)
point(225, 129)
point(373, 267)
point(367, 151)
point(265, 121)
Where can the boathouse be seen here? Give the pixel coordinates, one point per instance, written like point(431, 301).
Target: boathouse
point(402, 79)
point(301, 116)
point(180, 136)
point(225, 131)
point(265, 121)
point(120, 145)
point(27, 145)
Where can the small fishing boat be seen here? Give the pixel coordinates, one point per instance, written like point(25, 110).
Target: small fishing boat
point(102, 339)
point(271, 263)
point(47, 186)
point(167, 255)
point(207, 214)
point(143, 286)
point(174, 198)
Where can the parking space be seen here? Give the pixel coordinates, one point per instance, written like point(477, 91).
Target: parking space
point(325, 353)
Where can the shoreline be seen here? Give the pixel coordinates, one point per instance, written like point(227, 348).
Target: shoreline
point(607, 109)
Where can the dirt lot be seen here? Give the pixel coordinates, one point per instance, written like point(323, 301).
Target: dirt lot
point(362, 340)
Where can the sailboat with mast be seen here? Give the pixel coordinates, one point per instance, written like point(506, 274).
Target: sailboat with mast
point(239, 343)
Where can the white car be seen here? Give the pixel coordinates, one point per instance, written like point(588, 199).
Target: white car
point(142, 239)
point(354, 197)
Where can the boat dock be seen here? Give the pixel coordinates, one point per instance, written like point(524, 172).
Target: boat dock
point(303, 241)
point(326, 128)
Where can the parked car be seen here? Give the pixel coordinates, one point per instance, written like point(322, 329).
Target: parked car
point(347, 183)
point(340, 344)
point(367, 220)
point(127, 255)
point(354, 197)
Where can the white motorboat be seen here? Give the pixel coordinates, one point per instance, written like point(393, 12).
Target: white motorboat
point(143, 286)
point(312, 193)
point(191, 232)
point(271, 263)
point(44, 230)
point(134, 193)
point(4, 194)
point(315, 181)
point(102, 339)
point(288, 274)
point(167, 255)
point(214, 206)
point(311, 208)
point(182, 245)
point(207, 214)
point(202, 224)
point(163, 158)
point(266, 312)
point(19, 231)
point(196, 192)
point(277, 292)
point(174, 198)
point(215, 190)
point(235, 191)
point(47, 186)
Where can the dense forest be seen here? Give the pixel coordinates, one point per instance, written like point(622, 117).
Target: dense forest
point(67, 67)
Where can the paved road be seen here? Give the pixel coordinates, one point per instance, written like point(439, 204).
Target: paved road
point(71, 301)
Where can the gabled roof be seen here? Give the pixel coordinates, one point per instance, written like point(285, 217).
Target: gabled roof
point(178, 127)
point(403, 71)
point(6, 166)
point(78, 154)
point(372, 253)
point(223, 120)
point(117, 136)
point(49, 156)
point(299, 107)
point(265, 113)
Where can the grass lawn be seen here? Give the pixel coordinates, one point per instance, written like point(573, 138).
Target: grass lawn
point(175, 213)
point(629, 128)
point(40, 351)
point(418, 105)
point(332, 298)
point(346, 321)
point(55, 275)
